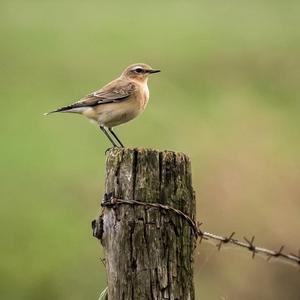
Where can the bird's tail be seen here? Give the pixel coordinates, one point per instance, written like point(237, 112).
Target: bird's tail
point(67, 108)
point(50, 112)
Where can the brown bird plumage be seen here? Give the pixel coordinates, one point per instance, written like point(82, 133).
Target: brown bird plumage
point(117, 102)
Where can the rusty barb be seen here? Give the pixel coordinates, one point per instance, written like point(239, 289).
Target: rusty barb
point(110, 201)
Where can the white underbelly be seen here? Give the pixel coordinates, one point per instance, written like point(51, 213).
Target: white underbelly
point(115, 117)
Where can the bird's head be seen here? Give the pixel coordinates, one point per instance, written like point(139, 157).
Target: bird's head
point(138, 72)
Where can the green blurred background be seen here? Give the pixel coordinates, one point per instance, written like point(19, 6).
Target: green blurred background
point(228, 96)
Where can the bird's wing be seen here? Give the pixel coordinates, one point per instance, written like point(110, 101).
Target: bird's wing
point(115, 91)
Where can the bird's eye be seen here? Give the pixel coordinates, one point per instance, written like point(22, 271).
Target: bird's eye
point(139, 70)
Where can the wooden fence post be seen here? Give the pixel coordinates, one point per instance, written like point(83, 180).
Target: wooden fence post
point(148, 250)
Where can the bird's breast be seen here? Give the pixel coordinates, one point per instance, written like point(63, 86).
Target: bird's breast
point(146, 92)
point(145, 96)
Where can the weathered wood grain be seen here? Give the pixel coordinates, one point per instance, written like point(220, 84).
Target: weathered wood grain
point(148, 251)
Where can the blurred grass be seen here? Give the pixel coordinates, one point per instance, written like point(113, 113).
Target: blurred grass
point(228, 96)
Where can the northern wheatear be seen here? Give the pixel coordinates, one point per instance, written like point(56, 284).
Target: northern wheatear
point(117, 102)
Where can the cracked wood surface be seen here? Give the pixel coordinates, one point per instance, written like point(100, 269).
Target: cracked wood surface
point(148, 251)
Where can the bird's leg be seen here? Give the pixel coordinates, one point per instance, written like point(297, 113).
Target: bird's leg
point(108, 136)
point(115, 136)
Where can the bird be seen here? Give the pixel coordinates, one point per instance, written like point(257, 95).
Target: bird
point(118, 102)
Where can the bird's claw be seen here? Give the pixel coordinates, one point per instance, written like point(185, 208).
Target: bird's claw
point(110, 148)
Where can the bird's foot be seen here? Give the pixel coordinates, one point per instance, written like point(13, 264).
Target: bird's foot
point(107, 150)
point(110, 148)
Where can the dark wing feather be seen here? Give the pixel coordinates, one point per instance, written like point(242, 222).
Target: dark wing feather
point(115, 91)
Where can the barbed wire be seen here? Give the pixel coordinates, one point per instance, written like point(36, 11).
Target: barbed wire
point(110, 201)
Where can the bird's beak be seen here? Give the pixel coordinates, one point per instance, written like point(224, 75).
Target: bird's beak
point(153, 71)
